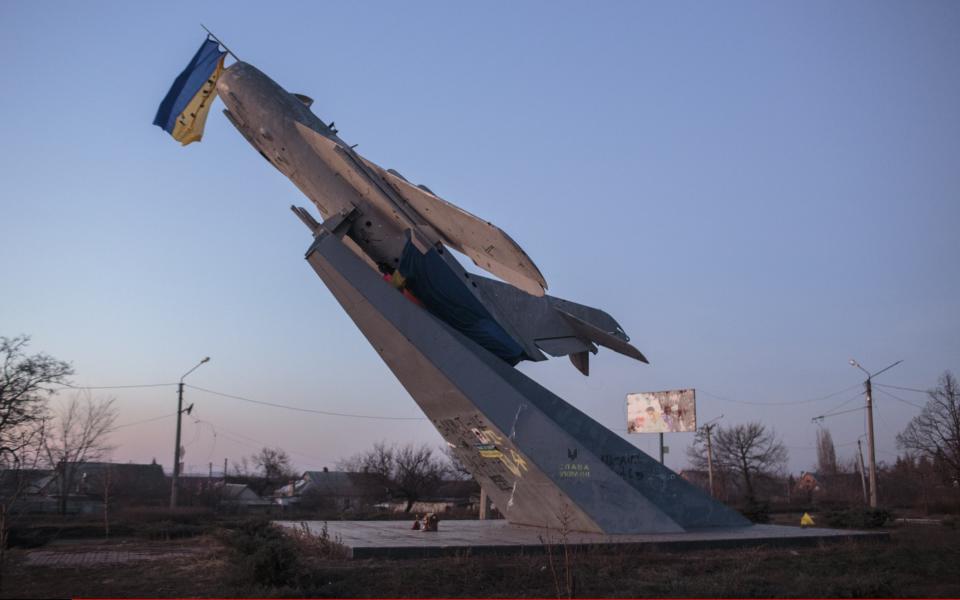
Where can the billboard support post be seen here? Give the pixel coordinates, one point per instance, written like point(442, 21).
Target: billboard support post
point(709, 429)
point(661, 447)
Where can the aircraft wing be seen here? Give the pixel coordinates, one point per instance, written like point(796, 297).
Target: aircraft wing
point(487, 245)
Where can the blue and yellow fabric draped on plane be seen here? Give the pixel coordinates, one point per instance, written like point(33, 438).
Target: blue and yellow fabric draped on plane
point(183, 112)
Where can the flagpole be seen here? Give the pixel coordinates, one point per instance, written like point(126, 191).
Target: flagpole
point(217, 40)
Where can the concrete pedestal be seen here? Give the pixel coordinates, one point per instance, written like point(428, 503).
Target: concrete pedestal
point(542, 462)
point(395, 539)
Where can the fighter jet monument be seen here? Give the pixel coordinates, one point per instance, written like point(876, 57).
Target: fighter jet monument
point(453, 338)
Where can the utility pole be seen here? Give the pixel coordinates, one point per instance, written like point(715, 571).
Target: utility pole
point(224, 469)
point(863, 477)
point(708, 427)
point(176, 448)
point(871, 445)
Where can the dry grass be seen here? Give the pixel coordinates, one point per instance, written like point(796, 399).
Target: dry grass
point(918, 561)
point(197, 568)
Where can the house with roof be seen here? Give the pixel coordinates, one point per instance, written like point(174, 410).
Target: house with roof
point(446, 496)
point(239, 497)
point(83, 487)
point(340, 490)
point(27, 490)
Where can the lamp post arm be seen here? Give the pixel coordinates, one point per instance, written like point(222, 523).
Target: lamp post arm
point(197, 366)
point(886, 368)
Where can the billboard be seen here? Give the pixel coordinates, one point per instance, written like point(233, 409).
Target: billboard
point(672, 411)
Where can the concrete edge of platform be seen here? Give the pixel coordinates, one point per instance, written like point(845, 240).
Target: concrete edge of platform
point(631, 547)
point(440, 549)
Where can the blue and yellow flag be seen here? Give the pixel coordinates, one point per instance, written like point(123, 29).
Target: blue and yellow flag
point(183, 112)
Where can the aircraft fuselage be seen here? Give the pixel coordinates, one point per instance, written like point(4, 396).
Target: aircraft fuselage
point(267, 116)
point(386, 216)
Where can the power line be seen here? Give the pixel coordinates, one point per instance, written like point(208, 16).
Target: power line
point(238, 438)
point(145, 421)
point(842, 412)
point(842, 404)
point(853, 443)
point(906, 389)
point(844, 445)
point(306, 410)
point(898, 398)
point(807, 401)
point(114, 387)
point(235, 397)
point(213, 447)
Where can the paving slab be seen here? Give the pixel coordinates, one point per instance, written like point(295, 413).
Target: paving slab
point(396, 539)
point(46, 558)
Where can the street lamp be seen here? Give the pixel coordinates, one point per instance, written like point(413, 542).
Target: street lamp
point(870, 442)
point(176, 448)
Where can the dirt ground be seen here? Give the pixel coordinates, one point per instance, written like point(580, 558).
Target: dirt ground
point(116, 568)
point(919, 561)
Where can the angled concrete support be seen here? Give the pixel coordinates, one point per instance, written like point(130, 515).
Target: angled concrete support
point(542, 461)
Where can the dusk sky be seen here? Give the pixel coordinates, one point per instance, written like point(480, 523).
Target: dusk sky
point(756, 191)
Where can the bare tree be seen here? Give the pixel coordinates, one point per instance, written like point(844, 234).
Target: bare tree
point(274, 463)
point(418, 471)
point(242, 468)
point(14, 480)
point(455, 468)
point(826, 452)
point(77, 435)
point(379, 460)
point(411, 470)
point(744, 450)
point(935, 432)
point(25, 390)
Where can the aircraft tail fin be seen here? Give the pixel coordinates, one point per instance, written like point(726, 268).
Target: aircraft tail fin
point(555, 326)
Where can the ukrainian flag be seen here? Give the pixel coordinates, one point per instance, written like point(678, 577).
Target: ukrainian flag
point(183, 112)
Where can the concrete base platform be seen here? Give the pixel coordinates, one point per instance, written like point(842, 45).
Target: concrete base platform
point(396, 539)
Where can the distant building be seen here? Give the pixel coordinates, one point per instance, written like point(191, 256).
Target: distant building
point(120, 483)
point(340, 490)
point(239, 497)
point(82, 487)
point(447, 496)
point(27, 490)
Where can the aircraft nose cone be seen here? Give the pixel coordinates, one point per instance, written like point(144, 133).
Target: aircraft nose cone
point(237, 87)
point(243, 87)
point(229, 84)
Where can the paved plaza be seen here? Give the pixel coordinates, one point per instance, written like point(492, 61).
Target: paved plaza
point(368, 539)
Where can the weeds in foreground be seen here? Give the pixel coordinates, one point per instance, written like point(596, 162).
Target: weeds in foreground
point(268, 557)
point(319, 545)
point(263, 555)
point(565, 581)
